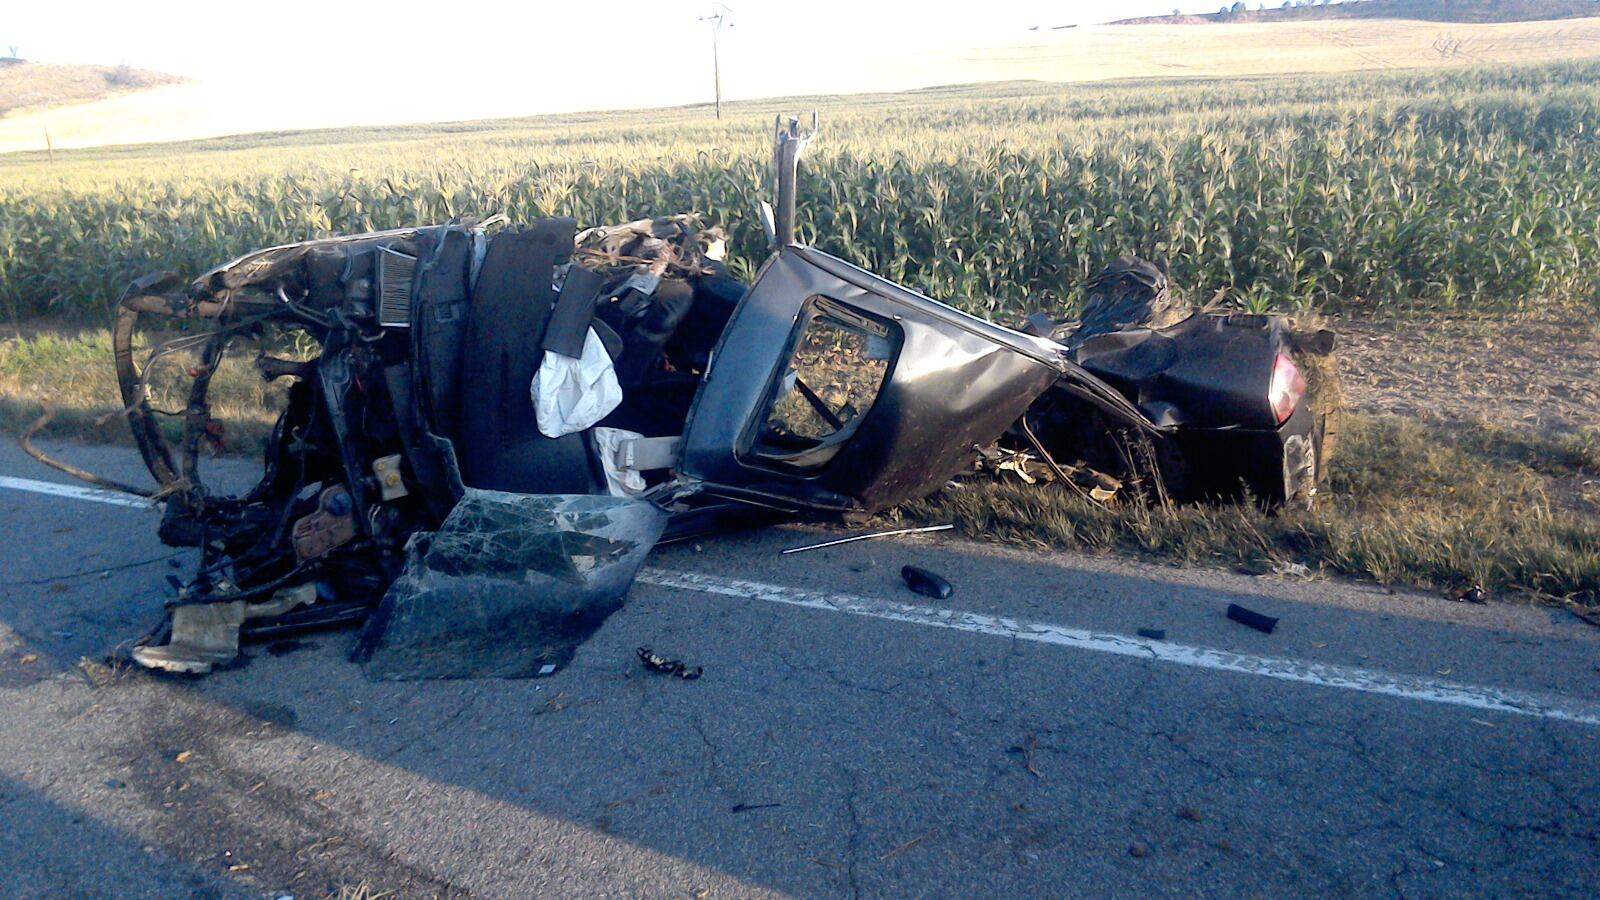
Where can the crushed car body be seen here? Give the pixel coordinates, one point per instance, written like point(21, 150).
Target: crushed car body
point(498, 423)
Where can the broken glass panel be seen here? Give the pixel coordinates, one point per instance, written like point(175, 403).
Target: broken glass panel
point(509, 585)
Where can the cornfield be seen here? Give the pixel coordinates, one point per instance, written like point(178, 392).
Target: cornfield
point(1469, 188)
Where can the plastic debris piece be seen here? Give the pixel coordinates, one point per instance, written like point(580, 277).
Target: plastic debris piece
point(1291, 570)
point(206, 635)
point(1251, 618)
point(663, 666)
point(1154, 634)
point(926, 583)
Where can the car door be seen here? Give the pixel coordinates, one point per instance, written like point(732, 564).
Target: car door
point(834, 389)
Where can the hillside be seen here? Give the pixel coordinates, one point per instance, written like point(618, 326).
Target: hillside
point(1463, 11)
point(32, 85)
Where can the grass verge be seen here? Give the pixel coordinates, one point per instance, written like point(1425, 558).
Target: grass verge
point(1437, 506)
point(73, 371)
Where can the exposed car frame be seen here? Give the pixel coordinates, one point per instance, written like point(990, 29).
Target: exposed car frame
point(430, 337)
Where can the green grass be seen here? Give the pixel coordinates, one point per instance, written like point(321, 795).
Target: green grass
point(1469, 188)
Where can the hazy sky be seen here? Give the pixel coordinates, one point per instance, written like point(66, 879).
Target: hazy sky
point(291, 64)
point(604, 44)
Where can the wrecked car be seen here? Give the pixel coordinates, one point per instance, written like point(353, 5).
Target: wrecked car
point(498, 423)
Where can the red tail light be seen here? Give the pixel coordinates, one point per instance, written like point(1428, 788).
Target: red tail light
point(1288, 387)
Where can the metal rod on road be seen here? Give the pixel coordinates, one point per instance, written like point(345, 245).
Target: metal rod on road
point(862, 537)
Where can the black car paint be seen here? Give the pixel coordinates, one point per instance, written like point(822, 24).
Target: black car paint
point(955, 381)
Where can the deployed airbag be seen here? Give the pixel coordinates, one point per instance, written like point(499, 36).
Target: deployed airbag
point(570, 395)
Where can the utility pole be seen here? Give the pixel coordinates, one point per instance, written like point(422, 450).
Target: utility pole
point(723, 16)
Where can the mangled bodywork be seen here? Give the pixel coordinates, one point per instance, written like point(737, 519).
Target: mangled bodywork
point(497, 424)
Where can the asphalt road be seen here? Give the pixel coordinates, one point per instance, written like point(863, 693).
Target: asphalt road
point(848, 737)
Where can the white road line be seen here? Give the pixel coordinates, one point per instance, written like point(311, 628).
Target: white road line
point(1369, 681)
point(75, 492)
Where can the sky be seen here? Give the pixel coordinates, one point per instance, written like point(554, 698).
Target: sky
point(607, 50)
point(295, 64)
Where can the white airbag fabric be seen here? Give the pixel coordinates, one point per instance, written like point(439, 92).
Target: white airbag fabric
point(569, 394)
point(620, 482)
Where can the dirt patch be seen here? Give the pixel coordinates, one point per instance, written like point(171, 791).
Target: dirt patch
point(1538, 370)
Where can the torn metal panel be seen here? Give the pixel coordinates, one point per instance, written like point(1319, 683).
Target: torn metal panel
point(937, 382)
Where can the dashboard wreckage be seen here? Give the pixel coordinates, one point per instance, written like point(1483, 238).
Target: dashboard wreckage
point(495, 425)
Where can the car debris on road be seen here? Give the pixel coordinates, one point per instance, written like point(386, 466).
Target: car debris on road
point(1251, 618)
point(498, 422)
point(926, 583)
point(661, 665)
point(927, 529)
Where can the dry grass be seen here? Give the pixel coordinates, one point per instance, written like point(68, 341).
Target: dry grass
point(73, 371)
point(1442, 11)
point(1529, 368)
point(1438, 507)
point(360, 891)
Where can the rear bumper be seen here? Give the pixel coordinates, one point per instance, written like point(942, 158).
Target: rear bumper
point(1275, 467)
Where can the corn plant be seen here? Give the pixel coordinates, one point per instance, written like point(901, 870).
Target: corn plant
point(1466, 188)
